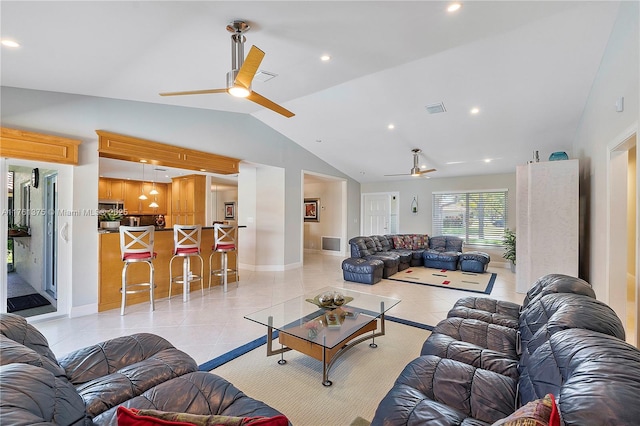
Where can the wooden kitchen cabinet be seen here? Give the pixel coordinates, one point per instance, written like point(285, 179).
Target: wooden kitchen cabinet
point(188, 195)
point(132, 190)
point(110, 189)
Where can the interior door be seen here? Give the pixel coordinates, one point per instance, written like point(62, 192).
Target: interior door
point(376, 212)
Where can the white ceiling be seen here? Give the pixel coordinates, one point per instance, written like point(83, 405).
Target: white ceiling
point(528, 66)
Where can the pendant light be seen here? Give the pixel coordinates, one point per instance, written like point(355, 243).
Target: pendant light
point(142, 196)
point(154, 191)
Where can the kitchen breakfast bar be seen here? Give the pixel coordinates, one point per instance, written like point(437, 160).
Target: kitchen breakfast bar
point(110, 268)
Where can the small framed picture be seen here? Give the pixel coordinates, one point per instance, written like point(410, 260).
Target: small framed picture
point(311, 210)
point(230, 210)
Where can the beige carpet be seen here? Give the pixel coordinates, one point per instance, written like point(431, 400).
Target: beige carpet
point(361, 378)
point(469, 281)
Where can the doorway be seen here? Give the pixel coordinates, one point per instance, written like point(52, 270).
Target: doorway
point(29, 284)
point(622, 240)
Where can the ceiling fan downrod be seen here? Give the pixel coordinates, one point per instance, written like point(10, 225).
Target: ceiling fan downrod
point(237, 28)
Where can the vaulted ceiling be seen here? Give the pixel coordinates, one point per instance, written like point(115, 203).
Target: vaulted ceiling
point(527, 66)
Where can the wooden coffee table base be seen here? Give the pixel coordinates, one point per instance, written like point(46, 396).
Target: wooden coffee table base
point(316, 350)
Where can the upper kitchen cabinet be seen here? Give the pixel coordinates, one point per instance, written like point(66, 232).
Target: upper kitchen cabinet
point(110, 189)
point(112, 145)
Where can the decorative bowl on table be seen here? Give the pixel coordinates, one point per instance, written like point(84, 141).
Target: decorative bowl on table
point(328, 300)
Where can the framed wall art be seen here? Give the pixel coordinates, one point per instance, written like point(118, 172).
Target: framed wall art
point(230, 210)
point(312, 210)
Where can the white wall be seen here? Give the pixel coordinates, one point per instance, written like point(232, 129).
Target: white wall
point(601, 125)
point(423, 188)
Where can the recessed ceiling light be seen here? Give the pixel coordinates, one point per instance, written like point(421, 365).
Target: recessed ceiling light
point(391, 126)
point(475, 110)
point(325, 58)
point(453, 7)
point(9, 43)
point(487, 160)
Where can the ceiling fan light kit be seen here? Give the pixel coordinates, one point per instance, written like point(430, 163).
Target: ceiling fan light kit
point(243, 70)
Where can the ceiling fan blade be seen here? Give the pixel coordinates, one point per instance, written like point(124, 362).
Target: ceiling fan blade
point(400, 174)
point(250, 67)
point(194, 92)
point(423, 172)
point(261, 100)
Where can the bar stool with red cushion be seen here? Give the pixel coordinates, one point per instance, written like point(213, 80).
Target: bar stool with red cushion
point(224, 241)
point(136, 245)
point(186, 244)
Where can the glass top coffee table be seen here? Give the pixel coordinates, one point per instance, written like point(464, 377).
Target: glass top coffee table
point(324, 324)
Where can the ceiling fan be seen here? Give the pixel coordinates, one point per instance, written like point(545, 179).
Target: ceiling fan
point(415, 170)
point(242, 72)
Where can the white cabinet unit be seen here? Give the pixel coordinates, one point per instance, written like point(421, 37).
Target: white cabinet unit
point(546, 221)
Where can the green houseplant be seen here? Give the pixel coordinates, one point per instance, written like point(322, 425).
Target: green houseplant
point(110, 219)
point(510, 247)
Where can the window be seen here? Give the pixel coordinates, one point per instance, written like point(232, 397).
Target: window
point(477, 217)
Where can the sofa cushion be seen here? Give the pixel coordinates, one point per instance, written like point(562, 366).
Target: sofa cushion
point(34, 396)
point(490, 336)
point(458, 389)
point(17, 329)
point(595, 378)
point(135, 417)
point(557, 283)
point(438, 243)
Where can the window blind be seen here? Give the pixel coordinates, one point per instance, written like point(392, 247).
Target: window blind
point(478, 217)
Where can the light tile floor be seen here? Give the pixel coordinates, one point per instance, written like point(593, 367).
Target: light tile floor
point(210, 325)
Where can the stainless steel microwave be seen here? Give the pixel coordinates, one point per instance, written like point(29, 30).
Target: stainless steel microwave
point(110, 205)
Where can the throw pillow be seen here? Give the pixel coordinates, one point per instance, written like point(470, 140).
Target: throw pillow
point(398, 241)
point(541, 412)
point(408, 242)
point(135, 417)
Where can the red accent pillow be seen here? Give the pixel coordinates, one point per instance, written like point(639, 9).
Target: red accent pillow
point(541, 412)
point(135, 417)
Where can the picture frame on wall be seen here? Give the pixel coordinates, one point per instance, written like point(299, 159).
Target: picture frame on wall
point(312, 210)
point(230, 210)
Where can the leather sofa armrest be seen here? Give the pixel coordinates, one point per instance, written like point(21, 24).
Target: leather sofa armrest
point(195, 393)
point(105, 358)
point(34, 396)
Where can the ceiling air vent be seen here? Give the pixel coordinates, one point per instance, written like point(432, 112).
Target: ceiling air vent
point(264, 76)
point(436, 108)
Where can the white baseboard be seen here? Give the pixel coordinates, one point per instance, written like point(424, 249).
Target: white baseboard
point(80, 311)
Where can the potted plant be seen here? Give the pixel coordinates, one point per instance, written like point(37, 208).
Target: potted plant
point(510, 247)
point(110, 219)
point(18, 231)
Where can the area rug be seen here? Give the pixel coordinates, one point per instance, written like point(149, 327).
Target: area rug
point(459, 280)
point(361, 377)
point(29, 301)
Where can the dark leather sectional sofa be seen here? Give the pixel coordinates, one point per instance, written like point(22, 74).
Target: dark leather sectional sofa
point(141, 371)
point(489, 358)
point(394, 253)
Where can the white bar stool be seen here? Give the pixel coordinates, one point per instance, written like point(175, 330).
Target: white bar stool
point(224, 241)
point(136, 245)
point(186, 244)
